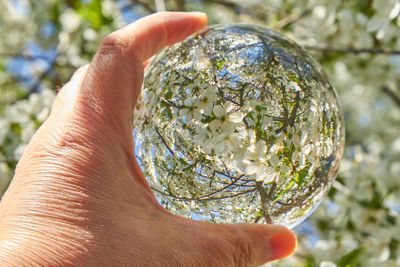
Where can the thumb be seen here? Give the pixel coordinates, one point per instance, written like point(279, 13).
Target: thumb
point(246, 244)
point(109, 89)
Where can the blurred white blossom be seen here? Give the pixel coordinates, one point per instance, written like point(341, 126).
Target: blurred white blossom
point(361, 215)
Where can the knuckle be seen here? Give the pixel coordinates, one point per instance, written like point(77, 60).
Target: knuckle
point(112, 44)
point(243, 251)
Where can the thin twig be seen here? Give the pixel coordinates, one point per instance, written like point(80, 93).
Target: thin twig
point(254, 10)
point(245, 184)
point(180, 5)
point(164, 142)
point(264, 202)
point(392, 95)
point(330, 48)
point(145, 5)
point(8, 161)
point(223, 188)
point(200, 199)
point(291, 19)
point(160, 5)
point(236, 7)
point(35, 87)
point(25, 56)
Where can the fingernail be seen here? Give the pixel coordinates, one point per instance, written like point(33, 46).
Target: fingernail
point(282, 245)
point(201, 15)
point(198, 13)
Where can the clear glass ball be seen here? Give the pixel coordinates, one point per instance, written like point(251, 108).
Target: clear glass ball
point(238, 124)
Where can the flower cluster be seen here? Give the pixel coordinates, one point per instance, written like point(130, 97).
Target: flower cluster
point(358, 223)
point(268, 134)
point(17, 127)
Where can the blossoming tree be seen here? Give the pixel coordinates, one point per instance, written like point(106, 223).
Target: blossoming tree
point(358, 42)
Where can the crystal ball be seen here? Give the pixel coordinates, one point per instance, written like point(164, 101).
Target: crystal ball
point(238, 124)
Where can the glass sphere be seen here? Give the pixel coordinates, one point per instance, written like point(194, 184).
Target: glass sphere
point(238, 124)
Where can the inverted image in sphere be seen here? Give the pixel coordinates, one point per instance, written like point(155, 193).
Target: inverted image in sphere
point(238, 124)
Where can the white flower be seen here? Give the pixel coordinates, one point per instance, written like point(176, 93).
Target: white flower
point(70, 20)
point(327, 264)
point(296, 140)
point(252, 169)
point(306, 149)
point(3, 130)
point(268, 175)
point(19, 112)
point(275, 148)
point(35, 104)
point(320, 12)
point(28, 131)
point(90, 34)
point(295, 87)
point(214, 125)
point(236, 117)
point(256, 151)
point(303, 138)
point(17, 153)
point(395, 11)
point(4, 176)
point(260, 149)
point(219, 111)
point(377, 23)
point(193, 109)
point(274, 159)
point(43, 114)
point(48, 97)
point(285, 169)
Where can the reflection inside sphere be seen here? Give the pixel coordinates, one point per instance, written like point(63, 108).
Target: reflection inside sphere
point(238, 124)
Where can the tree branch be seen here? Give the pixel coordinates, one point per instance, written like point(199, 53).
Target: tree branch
point(291, 19)
point(244, 184)
point(264, 202)
point(24, 56)
point(164, 142)
point(350, 50)
point(50, 60)
point(392, 95)
point(12, 161)
point(259, 11)
point(148, 7)
point(200, 199)
point(160, 5)
point(223, 188)
point(180, 5)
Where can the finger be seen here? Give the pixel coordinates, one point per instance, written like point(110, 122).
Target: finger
point(249, 244)
point(148, 35)
point(114, 78)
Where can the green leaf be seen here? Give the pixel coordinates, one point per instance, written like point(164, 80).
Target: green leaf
point(220, 64)
point(168, 95)
point(351, 259)
point(394, 246)
point(168, 114)
point(16, 128)
point(91, 12)
point(207, 119)
point(301, 175)
point(284, 191)
point(54, 13)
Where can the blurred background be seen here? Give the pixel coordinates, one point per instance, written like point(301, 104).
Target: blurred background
point(358, 42)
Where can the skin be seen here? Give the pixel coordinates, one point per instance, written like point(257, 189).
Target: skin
point(78, 196)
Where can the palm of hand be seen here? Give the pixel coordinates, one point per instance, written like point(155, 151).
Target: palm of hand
point(78, 196)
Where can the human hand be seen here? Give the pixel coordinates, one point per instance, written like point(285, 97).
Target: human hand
point(78, 196)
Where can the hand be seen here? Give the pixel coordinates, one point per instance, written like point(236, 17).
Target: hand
point(78, 196)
